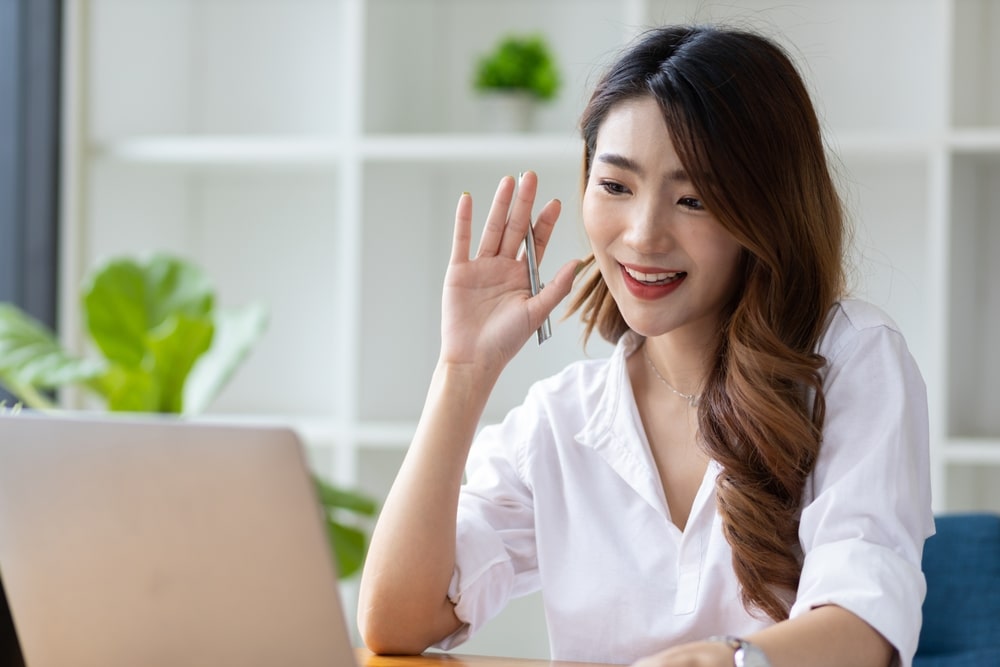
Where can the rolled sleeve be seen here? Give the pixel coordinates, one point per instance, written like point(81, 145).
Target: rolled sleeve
point(872, 582)
point(483, 578)
point(863, 530)
point(495, 550)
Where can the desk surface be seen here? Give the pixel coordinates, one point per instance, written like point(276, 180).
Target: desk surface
point(368, 659)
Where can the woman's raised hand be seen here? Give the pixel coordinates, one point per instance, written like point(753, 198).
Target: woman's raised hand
point(487, 309)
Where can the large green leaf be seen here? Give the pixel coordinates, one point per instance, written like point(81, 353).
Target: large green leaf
point(177, 286)
point(127, 389)
point(236, 332)
point(157, 384)
point(126, 299)
point(32, 360)
point(175, 346)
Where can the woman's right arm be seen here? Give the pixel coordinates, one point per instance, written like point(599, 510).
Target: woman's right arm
point(487, 315)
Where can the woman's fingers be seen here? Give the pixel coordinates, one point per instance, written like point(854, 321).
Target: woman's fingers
point(542, 305)
point(543, 226)
point(509, 217)
point(462, 239)
point(496, 221)
point(520, 215)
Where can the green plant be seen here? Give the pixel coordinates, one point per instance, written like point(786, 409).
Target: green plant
point(519, 63)
point(165, 347)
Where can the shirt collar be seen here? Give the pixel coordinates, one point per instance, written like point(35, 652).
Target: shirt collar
point(614, 429)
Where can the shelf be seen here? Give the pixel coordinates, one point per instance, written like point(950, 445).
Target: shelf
point(323, 432)
point(976, 451)
point(323, 151)
point(222, 151)
point(255, 151)
point(974, 141)
point(385, 435)
point(472, 147)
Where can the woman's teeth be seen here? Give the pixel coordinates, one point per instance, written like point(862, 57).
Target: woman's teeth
point(654, 278)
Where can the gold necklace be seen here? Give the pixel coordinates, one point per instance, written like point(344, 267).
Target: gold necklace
point(692, 399)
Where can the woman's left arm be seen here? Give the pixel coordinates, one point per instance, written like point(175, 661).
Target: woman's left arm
point(828, 636)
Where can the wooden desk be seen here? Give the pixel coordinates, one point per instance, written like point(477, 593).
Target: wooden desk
point(367, 659)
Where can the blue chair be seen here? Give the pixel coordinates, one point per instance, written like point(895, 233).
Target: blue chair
point(962, 610)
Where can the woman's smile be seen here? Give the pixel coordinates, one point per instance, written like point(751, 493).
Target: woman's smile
point(651, 284)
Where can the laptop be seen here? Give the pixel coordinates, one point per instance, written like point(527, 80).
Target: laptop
point(139, 541)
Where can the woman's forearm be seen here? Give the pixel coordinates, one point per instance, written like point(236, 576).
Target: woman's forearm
point(827, 636)
point(403, 605)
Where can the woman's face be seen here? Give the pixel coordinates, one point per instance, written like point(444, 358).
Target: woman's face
point(667, 261)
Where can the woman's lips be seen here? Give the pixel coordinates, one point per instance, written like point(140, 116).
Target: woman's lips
point(646, 283)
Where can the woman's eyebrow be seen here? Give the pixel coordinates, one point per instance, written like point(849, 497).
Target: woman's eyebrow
point(621, 161)
point(678, 175)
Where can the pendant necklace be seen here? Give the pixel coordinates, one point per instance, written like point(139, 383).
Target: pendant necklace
point(692, 399)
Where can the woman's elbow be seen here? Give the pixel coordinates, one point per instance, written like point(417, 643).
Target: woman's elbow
point(398, 618)
point(386, 631)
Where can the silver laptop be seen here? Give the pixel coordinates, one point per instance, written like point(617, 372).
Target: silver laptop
point(142, 542)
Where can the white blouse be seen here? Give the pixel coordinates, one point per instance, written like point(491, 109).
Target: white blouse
point(563, 495)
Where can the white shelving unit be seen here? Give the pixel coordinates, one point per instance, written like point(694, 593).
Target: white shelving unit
point(309, 153)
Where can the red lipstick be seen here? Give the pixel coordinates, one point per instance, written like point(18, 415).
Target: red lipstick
point(651, 290)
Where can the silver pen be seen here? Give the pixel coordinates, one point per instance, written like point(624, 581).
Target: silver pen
point(544, 331)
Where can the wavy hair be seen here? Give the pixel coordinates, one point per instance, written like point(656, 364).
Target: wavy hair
point(744, 127)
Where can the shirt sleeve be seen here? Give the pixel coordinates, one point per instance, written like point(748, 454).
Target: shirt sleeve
point(495, 551)
point(863, 531)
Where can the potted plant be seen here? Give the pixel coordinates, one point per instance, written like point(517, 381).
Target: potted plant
point(165, 347)
point(518, 74)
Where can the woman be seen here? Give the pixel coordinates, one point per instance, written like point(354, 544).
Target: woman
point(745, 480)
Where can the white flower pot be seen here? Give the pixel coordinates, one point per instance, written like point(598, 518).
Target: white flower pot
point(508, 111)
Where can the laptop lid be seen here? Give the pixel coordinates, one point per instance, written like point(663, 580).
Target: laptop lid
point(145, 541)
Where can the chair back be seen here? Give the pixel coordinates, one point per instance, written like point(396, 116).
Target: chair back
point(961, 626)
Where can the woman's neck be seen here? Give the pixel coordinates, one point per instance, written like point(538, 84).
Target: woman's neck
point(681, 361)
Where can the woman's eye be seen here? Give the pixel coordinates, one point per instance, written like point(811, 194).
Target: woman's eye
point(692, 203)
point(613, 188)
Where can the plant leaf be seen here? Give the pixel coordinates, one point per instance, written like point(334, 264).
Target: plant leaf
point(124, 300)
point(177, 286)
point(348, 544)
point(333, 497)
point(128, 389)
point(175, 346)
point(236, 332)
point(32, 358)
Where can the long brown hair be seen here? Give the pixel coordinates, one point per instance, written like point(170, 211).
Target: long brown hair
point(745, 129)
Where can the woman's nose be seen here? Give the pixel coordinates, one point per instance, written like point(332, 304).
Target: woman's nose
point(649, 230)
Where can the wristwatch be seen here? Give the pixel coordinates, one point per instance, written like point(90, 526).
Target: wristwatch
point(746, 654)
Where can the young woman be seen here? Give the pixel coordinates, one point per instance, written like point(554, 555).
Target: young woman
point(745, 480)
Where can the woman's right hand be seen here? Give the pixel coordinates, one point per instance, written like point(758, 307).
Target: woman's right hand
point(487, 309)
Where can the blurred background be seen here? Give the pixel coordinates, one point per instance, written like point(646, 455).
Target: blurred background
point(309, 154)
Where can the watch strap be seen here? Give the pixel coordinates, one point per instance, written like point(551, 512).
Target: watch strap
point(745, 654)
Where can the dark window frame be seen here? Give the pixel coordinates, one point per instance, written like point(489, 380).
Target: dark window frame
point(30, 147)
point(30, 139)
